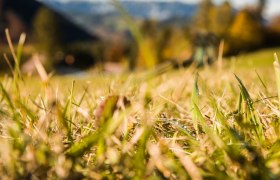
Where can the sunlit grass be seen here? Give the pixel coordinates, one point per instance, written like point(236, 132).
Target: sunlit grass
point(259, 59)
point(174, 124)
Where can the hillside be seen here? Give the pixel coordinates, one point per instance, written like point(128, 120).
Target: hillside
point(18, 17)
point(103, 14)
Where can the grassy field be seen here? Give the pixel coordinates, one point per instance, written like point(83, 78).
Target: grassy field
point(211, 123)
point(258, 59)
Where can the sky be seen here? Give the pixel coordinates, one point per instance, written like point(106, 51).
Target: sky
point(273, 6)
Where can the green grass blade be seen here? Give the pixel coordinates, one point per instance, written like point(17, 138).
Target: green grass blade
point(211, 134)
point(255, 120)
point(194, 102)
point(261, 80)
point(7, 98)
point(78, 149)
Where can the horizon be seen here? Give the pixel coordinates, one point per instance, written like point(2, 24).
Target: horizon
point(272, 7)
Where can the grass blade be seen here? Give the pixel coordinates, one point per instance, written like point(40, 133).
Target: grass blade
point(277, 76)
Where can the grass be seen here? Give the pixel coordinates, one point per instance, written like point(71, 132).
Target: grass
point(176, 124)
point(258, 59)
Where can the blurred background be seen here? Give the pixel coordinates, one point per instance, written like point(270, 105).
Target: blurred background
point(70, 36)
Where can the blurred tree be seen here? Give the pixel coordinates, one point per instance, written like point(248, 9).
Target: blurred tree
point(132, 53)
point(163, 42)
point(260, 8)
point(273, 32)
point(173, 45)
point(47, 32)
point(203, 16)
point(275, 24)
point(222, 17)
point(149, 28)
point(211, 23)
point(146, 44)
point(245, 33)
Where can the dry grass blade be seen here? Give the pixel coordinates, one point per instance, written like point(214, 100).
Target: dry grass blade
point(156, 157)
point(220, 55)
point(9, 63)
point(20, 46)
point(41, 70)
point(187, 162)
point(11, 46)
point(277, 75)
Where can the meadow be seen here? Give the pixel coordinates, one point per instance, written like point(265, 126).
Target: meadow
point(216, 122)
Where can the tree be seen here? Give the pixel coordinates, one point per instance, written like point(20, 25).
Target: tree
point(47, 32)
point(260, 8)
point(221, 19)
point(149, 28)
point(172, 45)
point(163, 42)
point(202, 18)
point(246, 32)
point(273, 32)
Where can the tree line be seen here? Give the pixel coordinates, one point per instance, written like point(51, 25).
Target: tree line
point(241, 30)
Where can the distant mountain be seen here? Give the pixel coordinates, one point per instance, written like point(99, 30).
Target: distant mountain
point(146, 10)
point(18, 17)
point(93, 15)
